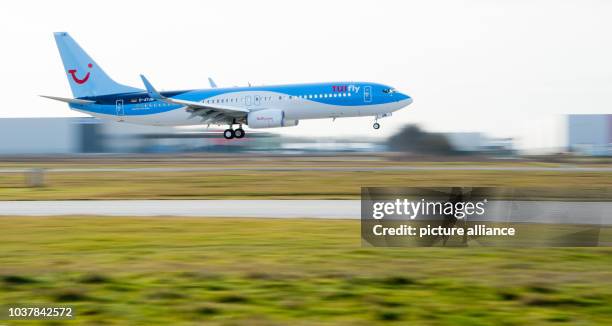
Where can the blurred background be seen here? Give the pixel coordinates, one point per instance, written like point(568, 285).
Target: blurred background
point(587, 135)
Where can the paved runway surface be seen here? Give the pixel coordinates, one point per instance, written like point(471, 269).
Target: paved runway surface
point(204, 208)
point(330, 168)
point(533, 211)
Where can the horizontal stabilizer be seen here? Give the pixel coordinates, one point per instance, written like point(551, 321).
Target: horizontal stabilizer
point(68, 100)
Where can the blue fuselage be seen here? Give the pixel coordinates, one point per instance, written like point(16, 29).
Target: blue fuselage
point(297, 101)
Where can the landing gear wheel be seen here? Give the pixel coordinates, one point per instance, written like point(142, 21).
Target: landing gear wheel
point(229, 134)
point(376, 125)
point(239, 133)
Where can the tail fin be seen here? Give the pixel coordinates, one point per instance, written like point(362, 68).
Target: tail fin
point(85, 76)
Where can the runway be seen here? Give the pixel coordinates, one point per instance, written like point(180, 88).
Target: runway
point(198, 208)
point(516, 211)
point(323, 169)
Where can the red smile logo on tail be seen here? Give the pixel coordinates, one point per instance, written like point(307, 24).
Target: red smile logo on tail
point(78, 80)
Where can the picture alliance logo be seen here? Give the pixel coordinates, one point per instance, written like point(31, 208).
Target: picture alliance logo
point(412, 209)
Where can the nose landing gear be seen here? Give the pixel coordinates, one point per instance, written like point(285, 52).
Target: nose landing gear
point(376, 125)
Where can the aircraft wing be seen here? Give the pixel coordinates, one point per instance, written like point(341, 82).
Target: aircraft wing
point(210, 113)
point(199, 105)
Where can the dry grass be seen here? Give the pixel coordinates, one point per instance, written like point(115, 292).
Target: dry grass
point(271, 184)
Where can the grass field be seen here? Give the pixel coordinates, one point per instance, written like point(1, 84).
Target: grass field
point(245, 184)
point(144, 271)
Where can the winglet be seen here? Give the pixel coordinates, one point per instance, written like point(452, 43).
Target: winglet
point(153, 93)
point(212, 83)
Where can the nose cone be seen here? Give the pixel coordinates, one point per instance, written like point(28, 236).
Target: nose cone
point(404, 99)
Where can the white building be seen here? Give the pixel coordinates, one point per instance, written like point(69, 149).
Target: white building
point(39, 136)
point(590, 134)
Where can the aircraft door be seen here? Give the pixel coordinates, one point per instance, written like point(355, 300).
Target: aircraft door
point(119, 110)
point(367, 94)
point(247, 100)
point(257, 100)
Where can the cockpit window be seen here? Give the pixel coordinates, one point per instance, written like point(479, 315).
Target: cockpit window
point(389, 90)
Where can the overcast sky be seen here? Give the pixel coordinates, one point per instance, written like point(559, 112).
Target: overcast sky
point(506, 68)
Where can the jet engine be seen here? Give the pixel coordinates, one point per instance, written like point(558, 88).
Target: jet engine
point(269, 118)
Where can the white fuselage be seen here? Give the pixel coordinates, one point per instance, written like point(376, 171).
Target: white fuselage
point(294, 108)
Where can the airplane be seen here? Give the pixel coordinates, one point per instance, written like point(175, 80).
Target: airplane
point(97, 94)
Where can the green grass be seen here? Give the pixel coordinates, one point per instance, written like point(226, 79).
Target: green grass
point(271, 184)
point(145, 271)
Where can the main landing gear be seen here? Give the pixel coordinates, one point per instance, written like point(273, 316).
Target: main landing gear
point(231, 133)
point(239, 133)
point(376, 125)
